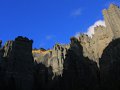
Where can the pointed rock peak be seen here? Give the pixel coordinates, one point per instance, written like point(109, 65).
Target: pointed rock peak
point(113, 6)
point(23, 39)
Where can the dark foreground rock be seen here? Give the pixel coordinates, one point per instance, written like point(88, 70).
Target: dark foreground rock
point(19, 71)
point(110, 66)
point(84, 64)
point(79, 73)
point(17, 65)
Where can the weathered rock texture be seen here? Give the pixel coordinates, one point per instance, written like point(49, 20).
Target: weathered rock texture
point(18, 64)
point(112, 20)
point(103, 35)
point(74, 66)
point(65, 67)
point(54, 58)
point(93, 47)
point(79, 73)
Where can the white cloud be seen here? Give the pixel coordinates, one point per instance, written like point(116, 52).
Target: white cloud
point(90, 30)
point(76, 12)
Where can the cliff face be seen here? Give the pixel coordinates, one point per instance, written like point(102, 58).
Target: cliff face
point(54, 57)
point(112, 20)
point(110, 66)
point(93, 47)
point(17, 64)
point(77, 63)
point(76, 73)
point(1, 52)
point(84, 64)
point(79, 73)
point(103, 35)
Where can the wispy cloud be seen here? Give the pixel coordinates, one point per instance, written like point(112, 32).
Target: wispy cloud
point(76, 12)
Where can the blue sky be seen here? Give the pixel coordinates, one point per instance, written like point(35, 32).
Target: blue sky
point(48, 21)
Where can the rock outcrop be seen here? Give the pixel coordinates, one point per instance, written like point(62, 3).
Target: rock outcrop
point(74, 66)
point(54, 58)
point(84, 64)
point(103, 35)
point(18, 64)
point(112, 20)
point(93, 47)
point(0, 43)
point(1, 52)
point(110, 66)
point(79, 73)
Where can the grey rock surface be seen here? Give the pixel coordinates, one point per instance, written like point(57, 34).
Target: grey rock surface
point(84, 64)
point(18, 64)
point(54, 58)
point(79, 73)
point(103, 35)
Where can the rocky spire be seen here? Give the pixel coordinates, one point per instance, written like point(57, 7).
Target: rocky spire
point(112, 21)
point(18, 62)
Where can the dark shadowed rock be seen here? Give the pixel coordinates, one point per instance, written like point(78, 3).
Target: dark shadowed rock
point(79, 72)
point(52, 58)
point(65, 67)
point(42, 49)
point(18, 64)
point(0, 43)
point(110, 66)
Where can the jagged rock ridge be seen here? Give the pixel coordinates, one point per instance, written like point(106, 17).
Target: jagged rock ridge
point(54, 57)
point(103, 35)
point(17, 64)
point(65, 67)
